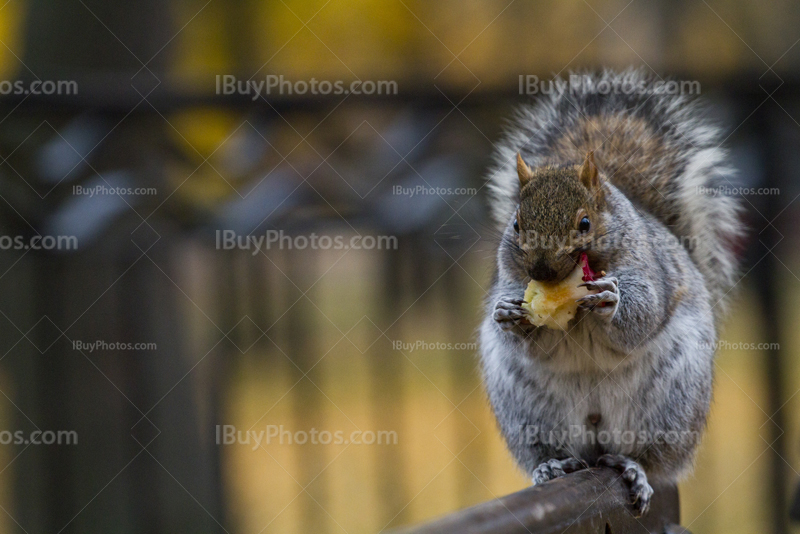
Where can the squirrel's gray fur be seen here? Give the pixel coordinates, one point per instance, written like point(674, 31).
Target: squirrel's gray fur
point(642, 361)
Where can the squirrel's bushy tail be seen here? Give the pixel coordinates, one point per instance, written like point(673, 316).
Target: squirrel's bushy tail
point(652, 142)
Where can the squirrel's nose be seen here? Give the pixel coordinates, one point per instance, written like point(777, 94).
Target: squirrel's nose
point(542, 272)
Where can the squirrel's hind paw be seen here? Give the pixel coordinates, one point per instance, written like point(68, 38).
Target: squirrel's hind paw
point(635, 477)
point(556, 468)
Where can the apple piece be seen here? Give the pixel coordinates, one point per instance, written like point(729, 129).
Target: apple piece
point(554, 304)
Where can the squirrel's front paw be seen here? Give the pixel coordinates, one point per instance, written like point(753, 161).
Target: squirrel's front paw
point(510, 315)
point(606, 301)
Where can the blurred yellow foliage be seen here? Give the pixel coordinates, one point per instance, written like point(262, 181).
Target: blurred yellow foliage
point(466, 44)
point(199, 134)
point(11, 19)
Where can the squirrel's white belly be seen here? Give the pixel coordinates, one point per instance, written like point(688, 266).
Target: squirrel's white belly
point(595, 390)
point(605, 415)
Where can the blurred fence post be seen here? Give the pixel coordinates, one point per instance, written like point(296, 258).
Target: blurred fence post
point(108, 482)
point(387, 394)
point(765, 273)
point(307, 399)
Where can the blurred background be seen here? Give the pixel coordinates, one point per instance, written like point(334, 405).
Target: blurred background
point(139, 343)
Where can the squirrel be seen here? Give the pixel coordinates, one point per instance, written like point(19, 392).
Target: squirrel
point(626, 179)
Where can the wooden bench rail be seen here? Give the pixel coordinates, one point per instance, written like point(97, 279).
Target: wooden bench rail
point(592, 501)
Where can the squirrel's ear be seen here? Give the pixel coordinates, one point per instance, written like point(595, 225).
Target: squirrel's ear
point(525, 172)
point(588, 173)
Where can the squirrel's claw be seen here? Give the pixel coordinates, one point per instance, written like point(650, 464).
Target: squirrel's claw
point(603, 303)
point(602, 284)
point(556, 468)
point(509, 310)
point(510, 315)
point(634, 476)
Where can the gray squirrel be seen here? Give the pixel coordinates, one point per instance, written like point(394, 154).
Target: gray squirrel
point(635, 180)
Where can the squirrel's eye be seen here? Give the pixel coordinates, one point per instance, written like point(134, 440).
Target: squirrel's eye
point(516, 225)
point(584, 225)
